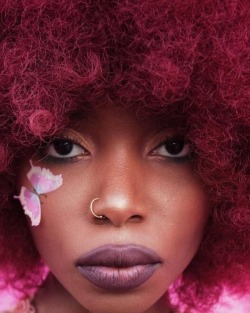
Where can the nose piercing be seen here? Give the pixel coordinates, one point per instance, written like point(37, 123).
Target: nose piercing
point(103, 217)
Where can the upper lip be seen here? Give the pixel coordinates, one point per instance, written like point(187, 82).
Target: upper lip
point(119, 256)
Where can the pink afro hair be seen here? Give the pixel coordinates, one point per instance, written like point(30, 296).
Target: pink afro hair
point(189, 57)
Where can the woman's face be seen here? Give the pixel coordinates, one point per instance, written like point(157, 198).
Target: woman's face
point(154, 207)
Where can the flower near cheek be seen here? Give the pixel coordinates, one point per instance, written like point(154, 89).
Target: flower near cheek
point(42, 181)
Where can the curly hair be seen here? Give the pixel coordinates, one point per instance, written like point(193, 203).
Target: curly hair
point(189, 57)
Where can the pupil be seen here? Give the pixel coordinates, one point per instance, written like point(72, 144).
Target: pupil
point(63, 147)
point(175, 145)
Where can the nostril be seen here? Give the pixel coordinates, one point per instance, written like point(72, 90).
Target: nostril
point(136, 218)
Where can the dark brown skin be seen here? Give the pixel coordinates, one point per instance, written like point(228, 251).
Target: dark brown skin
point(148, 198)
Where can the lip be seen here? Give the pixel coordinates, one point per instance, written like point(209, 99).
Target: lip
point(118, 267)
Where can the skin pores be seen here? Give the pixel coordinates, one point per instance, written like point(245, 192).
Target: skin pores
point(141, 172)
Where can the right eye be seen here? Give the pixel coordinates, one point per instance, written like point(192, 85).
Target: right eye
point(64, 149)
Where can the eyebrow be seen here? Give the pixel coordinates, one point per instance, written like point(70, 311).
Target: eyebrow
point(76, 119)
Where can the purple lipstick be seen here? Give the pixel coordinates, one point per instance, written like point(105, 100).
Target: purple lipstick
point(118, 267)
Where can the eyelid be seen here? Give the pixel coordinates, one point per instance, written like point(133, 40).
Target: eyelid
point(74, 137)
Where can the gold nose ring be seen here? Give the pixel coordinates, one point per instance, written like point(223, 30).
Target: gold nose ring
point(102, 217)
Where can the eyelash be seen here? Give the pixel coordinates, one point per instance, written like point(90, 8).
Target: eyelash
point(175, 141)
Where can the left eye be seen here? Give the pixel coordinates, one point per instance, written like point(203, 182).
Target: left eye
point(175, 147)
point(64, 148)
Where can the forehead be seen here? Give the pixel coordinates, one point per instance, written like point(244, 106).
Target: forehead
point(111, 116)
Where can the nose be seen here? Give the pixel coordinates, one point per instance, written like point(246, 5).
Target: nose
point(119, 193)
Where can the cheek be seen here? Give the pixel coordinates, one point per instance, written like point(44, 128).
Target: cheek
point(187, 226)
point(65, 225)
point(182, 214)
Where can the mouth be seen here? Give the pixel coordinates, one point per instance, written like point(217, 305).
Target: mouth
point(118, 267)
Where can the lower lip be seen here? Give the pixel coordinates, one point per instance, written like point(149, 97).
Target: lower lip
point(113, 278)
